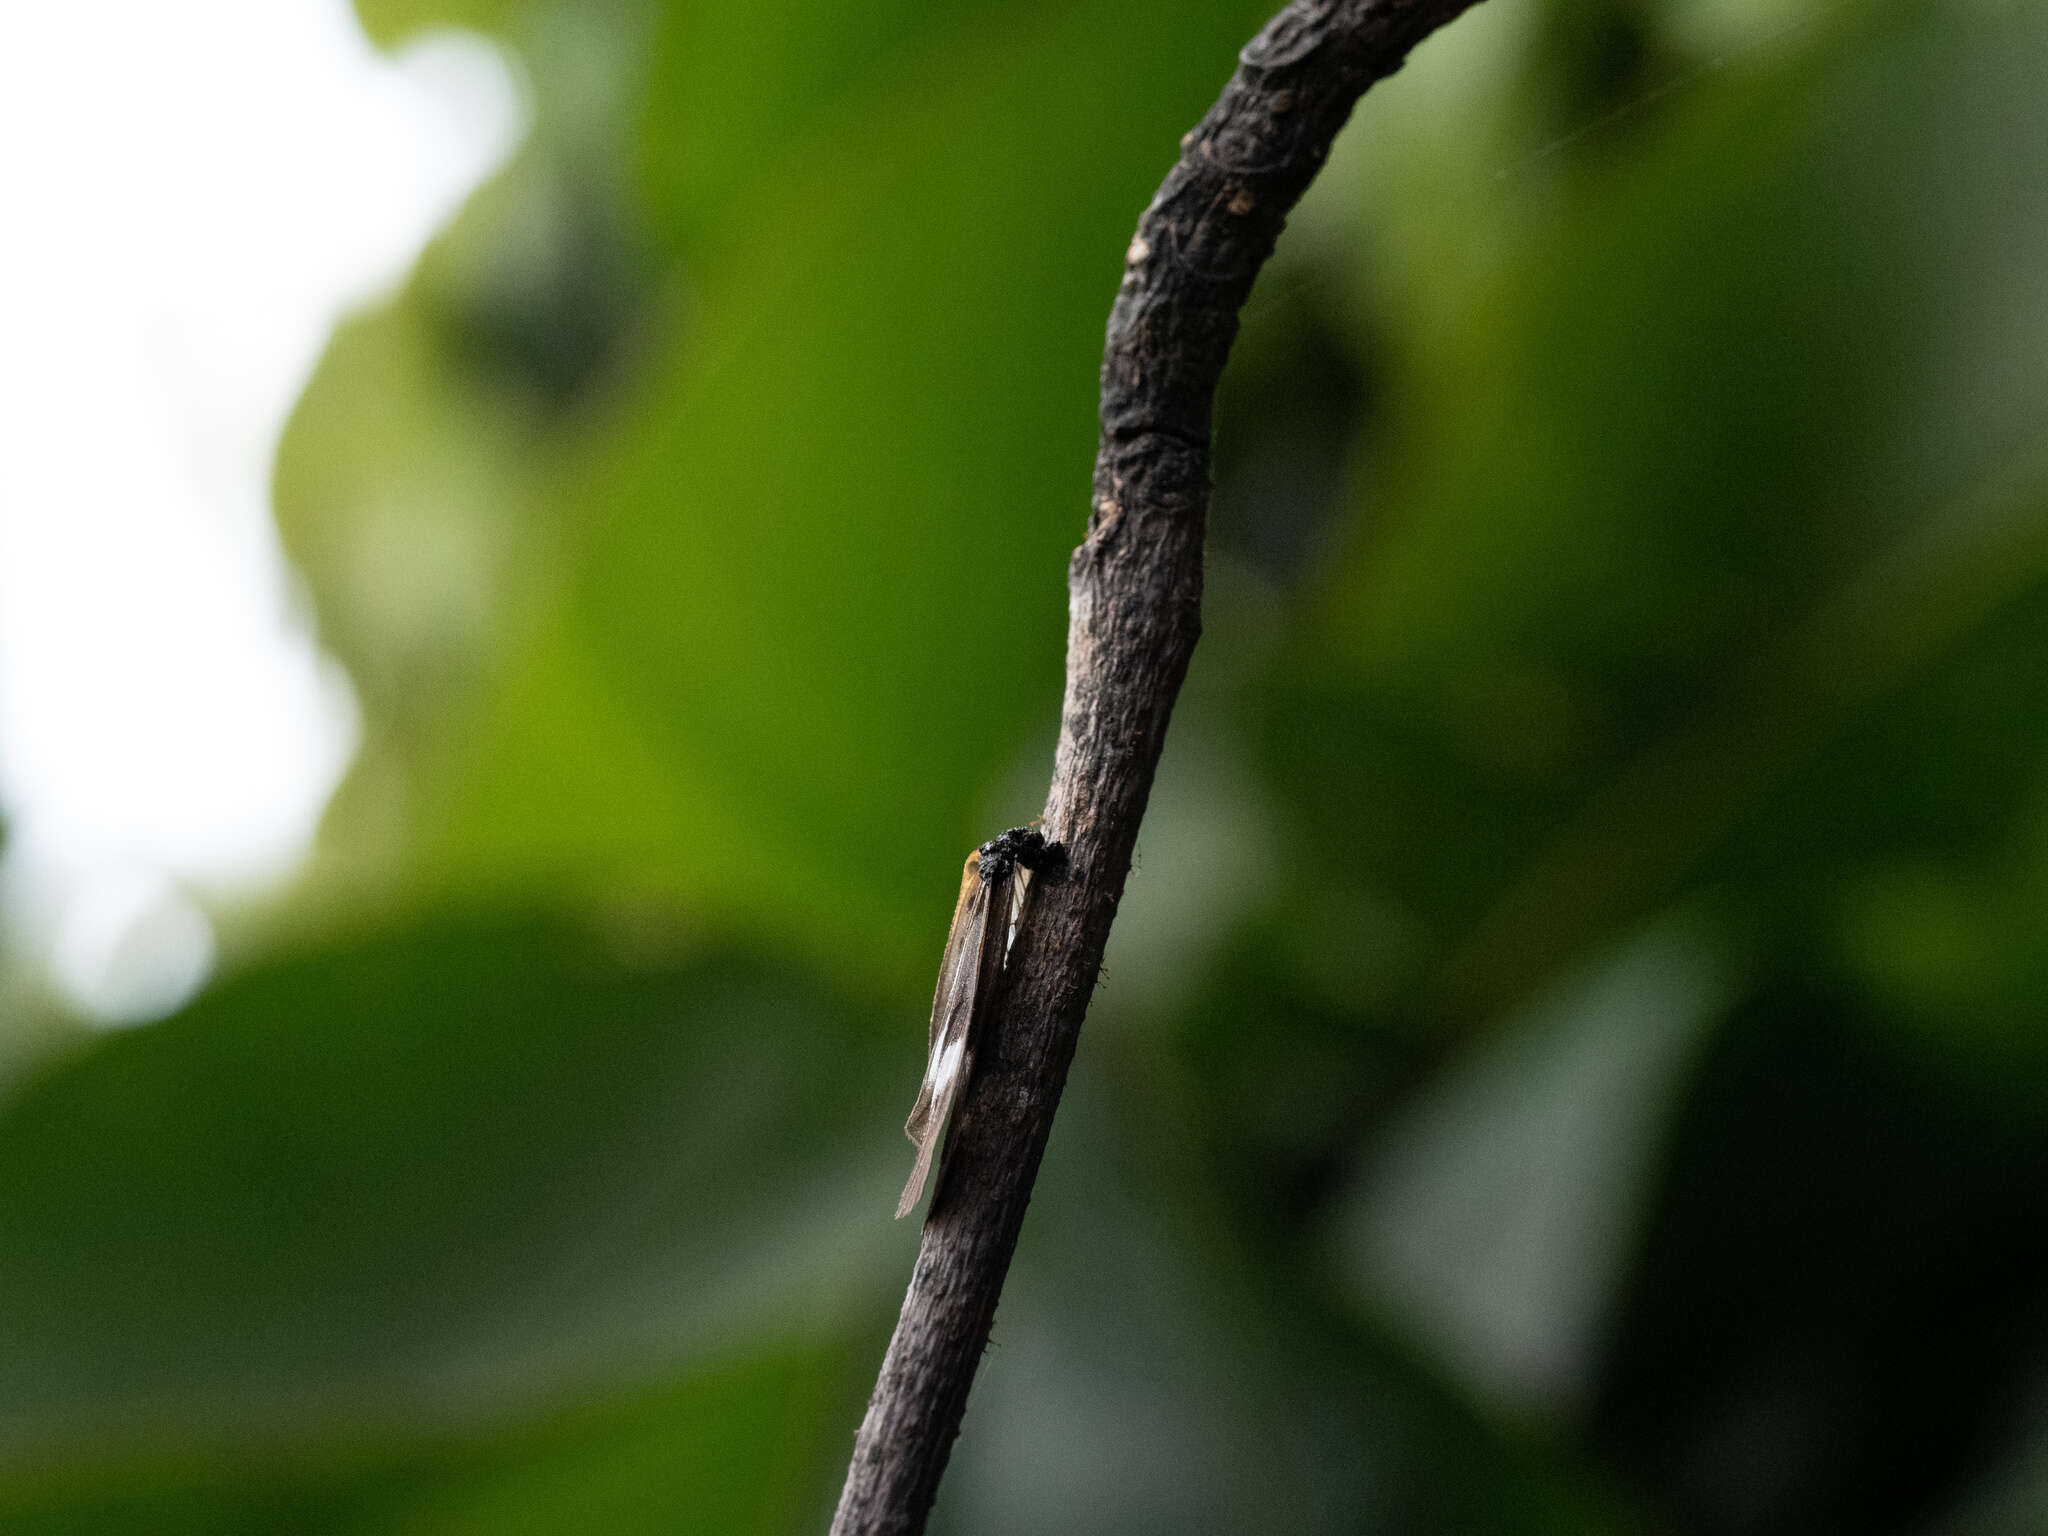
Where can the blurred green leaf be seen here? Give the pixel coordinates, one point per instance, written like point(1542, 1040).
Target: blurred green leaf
point(1751, 442)
point(442, 1173)
point(732, 1447)
point(795, 655)
point(391, 21)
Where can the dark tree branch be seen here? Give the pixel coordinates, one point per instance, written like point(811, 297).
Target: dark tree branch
point(1135, 591)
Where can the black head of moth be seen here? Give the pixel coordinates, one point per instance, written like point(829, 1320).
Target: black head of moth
point(993, 885)
point(1021, 848)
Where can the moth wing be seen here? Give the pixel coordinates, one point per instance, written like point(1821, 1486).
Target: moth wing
point(1020, 893)
point(953, 1010)
point(953, 965)
point(994, 950)
point(944, 1087)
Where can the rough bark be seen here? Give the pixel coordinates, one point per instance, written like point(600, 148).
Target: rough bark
point(1135, 589)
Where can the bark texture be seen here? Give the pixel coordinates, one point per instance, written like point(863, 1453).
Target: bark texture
point(1135, 591)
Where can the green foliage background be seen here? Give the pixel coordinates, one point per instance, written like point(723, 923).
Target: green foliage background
point(1572, 1057)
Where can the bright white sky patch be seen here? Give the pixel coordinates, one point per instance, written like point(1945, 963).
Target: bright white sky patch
point(194, 194)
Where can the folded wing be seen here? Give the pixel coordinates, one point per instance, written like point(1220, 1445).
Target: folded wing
point(973, 958)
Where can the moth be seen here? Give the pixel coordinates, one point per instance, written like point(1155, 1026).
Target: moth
point(993, 886)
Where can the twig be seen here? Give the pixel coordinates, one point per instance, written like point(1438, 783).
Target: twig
point(1135, 590)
